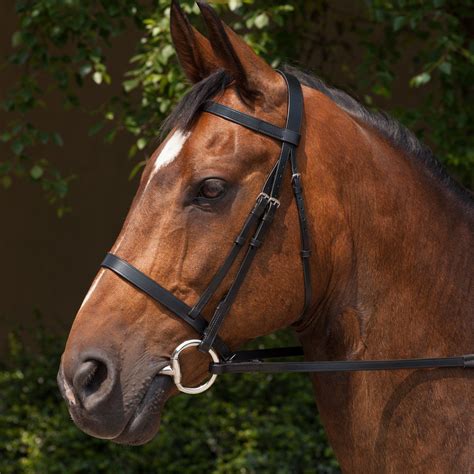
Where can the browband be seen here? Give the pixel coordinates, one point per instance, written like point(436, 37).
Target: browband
point(255, 124)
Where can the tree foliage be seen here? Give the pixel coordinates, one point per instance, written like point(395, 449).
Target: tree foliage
point(442, 66)
point(60, 45)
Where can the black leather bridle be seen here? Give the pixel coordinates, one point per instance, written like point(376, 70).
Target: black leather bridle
point(258, 222)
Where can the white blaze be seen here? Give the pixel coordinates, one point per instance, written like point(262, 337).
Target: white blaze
point(169, 152)
point(93, 287)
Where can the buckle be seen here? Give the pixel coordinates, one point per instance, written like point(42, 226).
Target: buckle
point(271, 200)
point(295, 177)
point(275, 202)
point(174, 369)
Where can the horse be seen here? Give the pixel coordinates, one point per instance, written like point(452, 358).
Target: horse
point(390, 258)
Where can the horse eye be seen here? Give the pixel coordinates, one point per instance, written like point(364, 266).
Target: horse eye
point(212, 188)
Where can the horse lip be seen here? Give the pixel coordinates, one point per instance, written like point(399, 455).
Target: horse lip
point(65, 389)
point(145, 420)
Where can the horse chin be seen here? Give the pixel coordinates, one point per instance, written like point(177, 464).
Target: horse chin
point(145, 422)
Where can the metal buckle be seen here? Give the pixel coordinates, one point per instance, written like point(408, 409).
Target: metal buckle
point(174, 369)
point(275, 201)
point(270, 199)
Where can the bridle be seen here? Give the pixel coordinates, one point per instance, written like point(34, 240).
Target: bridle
point(259, 222)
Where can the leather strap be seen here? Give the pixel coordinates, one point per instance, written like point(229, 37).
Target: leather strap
point(252, 123)
point(293, 122)
point(466, 362)
point(224, 306)
point(257, 354)
point(162, 296)
point(253, 218)
point(304, 234)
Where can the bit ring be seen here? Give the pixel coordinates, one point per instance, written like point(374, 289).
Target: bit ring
point(174, 369)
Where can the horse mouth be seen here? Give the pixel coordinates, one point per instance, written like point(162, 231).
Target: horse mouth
point(145, 421)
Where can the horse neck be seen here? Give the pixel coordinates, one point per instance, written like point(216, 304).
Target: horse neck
point(391, 265)
point(391, 241)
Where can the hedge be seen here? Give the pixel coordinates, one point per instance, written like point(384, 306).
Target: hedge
point(245, 424)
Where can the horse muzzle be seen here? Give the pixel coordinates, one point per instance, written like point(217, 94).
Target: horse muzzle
point(105, 404)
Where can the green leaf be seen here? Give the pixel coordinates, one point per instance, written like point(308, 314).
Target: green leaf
point(61, 211)
point(141, 143)
point(5, 137)
point(381, 90)
point(106, 77)
point(57, 139)
point(43, 137)
point(420, 79)
point(95, 129)
point(234, 4)
point(97, 77)
point(131, 84)
point(262, 20)
point(165, 105)
point(398, 23)
point(85, 69)
point(166, 53)
point(6, 182)
point(136, 169)
point(110, 137)
point(36, 172)
point(17, 39)
point(132, 151)
point(17, 147)
point(445, 67)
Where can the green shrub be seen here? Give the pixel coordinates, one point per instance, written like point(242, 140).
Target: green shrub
point(245, 424)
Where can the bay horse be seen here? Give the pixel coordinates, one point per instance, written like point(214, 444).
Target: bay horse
point(390, 258)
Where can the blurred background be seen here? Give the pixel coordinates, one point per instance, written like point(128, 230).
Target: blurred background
point(84, 86)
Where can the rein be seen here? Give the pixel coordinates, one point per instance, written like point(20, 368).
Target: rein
point(259, 221)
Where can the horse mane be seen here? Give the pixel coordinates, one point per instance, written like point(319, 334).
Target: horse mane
point(188, 109)
point(186, 112)
point(392, 130)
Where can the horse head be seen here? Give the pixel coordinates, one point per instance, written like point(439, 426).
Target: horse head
point(194, 196)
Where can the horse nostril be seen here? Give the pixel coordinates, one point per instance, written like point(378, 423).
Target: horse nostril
point(92, 381)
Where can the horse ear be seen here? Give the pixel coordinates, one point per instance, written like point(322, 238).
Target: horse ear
point(194, 51)
point(250, 72)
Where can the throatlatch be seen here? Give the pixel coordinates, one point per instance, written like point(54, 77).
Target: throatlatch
point(252, 236)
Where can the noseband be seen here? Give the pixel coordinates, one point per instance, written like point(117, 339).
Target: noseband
point(252, 236)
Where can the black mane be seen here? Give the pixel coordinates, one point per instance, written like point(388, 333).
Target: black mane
point(188, 109)
point(185, 113)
